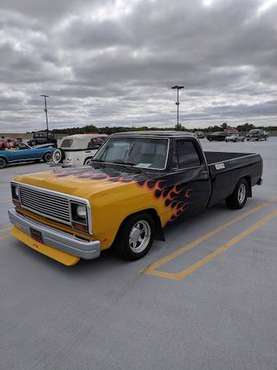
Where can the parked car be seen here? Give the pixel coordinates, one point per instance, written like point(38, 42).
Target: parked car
point(217, 136)
point(41, 137)
point(137, 184)
point(199, 134)
point(78, 150)
point(234, 138)
point(257, 135)
point(25, 153)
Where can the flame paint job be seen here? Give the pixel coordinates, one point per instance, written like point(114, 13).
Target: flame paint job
point(116, 193)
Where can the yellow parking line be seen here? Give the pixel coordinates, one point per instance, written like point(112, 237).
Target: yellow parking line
point(197, 265)
point(188, 247)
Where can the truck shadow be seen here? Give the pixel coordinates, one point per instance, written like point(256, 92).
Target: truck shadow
point(175, 234)
point(108, 265)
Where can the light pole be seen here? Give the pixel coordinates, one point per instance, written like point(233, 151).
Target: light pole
point(177, 88)
point(46, 113)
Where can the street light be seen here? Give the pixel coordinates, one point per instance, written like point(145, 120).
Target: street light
point(46, 114)
point(177, 88)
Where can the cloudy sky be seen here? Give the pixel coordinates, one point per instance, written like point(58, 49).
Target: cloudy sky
point(112, 62)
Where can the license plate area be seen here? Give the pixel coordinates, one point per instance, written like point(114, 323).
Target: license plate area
point(36, 235)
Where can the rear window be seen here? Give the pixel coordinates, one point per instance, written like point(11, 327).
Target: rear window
point(186, 154)
point(66, 143)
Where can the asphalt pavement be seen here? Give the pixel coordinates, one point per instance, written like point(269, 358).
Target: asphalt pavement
point(205, 299)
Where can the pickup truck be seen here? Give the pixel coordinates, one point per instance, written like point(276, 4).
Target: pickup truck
point(138, 182)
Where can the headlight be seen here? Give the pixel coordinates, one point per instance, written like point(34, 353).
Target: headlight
point(79, 216)
point(15, 192)
point(81, 211)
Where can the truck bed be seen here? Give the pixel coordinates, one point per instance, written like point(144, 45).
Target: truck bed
point(227, 168)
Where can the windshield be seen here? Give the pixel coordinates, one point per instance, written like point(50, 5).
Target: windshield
point(140, 152)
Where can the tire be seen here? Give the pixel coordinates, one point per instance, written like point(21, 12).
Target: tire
point(87, 161)
point(47, 157)
point(58, 156)
point(139, 226)
point(238, 199)
point(3, 163)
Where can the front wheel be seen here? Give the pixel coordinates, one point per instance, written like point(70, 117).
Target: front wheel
point(135, 237)
point(238, 198)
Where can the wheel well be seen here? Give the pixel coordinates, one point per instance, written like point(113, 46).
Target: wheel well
point(249, 190)
point(87, 159)
point(5, 161)
point(159, 234)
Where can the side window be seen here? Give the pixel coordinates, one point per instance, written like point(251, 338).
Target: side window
point(186, 154)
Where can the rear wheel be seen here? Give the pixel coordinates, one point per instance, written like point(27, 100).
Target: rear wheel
point(3, 163)
point(238, 199)
point(47, 157)
point(135, 237)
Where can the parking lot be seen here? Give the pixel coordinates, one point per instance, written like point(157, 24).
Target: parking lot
point(203, 299)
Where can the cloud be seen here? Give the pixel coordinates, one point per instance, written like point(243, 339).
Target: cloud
point(114, 61)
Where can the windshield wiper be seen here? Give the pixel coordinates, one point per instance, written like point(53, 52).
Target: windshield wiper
point(140, 170)
point(122, 162)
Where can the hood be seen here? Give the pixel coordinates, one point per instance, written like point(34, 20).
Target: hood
point(82, 182)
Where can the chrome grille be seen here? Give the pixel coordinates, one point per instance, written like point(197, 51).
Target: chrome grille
point(45, 203)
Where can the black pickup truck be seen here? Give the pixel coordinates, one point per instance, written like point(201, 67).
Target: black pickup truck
point(137, 183)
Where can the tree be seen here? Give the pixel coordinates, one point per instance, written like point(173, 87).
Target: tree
point(245, 127)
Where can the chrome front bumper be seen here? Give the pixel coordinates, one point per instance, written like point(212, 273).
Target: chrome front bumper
point(56, 238)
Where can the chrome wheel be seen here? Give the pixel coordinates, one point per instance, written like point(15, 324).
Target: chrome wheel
point(57, 156)
point(140, 236)
point(241, 193)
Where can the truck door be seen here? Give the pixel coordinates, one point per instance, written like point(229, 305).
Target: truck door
point(190, 171)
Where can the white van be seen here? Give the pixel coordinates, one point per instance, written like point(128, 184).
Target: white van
point(78, 150)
